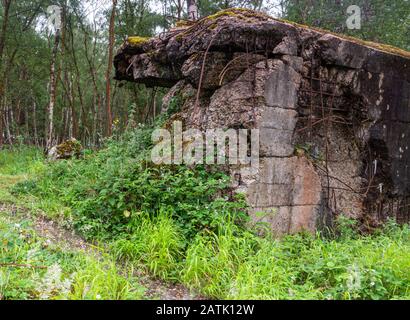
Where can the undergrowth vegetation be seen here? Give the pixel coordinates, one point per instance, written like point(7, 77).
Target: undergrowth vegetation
point(31, 268)
point(182, 224)
point(23, 160)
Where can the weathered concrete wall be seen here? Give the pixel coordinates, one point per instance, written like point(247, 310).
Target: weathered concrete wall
point(333, 114)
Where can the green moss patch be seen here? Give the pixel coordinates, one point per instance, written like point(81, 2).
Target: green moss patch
point(136, 40)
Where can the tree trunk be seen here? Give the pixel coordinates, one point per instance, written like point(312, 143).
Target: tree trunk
point(52, 90)
point(93, 73)
point(6, 7)
point(192, 10)
point(6, 118)
point(109, 68)
point(35, 121)
point(73, 121)
point(84, 118)
point(180, 8)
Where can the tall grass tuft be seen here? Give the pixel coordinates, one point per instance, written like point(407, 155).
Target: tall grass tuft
point(155, 242)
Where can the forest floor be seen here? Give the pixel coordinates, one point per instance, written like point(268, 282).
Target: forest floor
point(16, 212)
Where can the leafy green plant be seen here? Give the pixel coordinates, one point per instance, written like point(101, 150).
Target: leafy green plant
point(103, 186)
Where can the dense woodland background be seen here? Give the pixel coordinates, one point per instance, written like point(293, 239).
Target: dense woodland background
point(57, 84)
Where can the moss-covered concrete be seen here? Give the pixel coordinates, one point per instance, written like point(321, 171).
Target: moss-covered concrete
point(136, 40)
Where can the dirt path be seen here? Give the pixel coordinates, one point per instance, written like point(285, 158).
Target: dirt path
point(156, 289)
point(55, 234)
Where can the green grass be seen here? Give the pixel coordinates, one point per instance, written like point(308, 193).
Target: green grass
point(31, 268)
point(21, 160)
point(237, 264)
point(17, 165)
point(155, 243)
point(178, 225)
point(305, 267)
point(7, 181)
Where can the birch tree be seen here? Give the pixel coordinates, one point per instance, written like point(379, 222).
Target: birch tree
point(52, 92)
point(109, 69)
point(192, 10)
point(6, 9)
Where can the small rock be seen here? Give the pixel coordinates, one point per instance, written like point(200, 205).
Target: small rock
point(66, 150)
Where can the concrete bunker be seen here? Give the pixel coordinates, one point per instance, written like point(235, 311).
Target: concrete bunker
point(333, 113)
